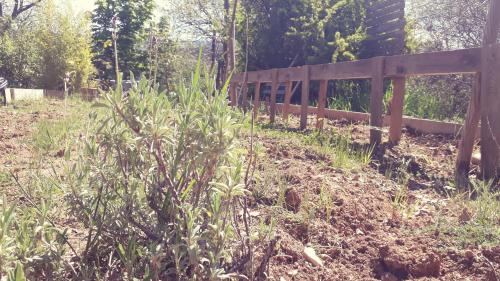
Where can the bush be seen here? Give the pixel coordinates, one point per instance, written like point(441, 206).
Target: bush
point(157, 183)
point(31, 246)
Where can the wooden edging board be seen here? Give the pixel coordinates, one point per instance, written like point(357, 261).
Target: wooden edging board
point(420, 125)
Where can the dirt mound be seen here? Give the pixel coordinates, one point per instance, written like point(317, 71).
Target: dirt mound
point(404, 263)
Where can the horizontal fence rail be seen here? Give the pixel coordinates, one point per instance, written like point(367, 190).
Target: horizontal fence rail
point(396, 68)
point(438, 63)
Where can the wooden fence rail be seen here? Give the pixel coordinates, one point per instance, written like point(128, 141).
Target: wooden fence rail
point(395, 68)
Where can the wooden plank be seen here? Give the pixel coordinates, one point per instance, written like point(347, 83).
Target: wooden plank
point(274, 92)
point(288, 97)
point(439, 63)
point(490, 95)
point(305, 96)
point(492, 24)
point(466, 145)
point(377, 5)
point(387, 27)
point(344, 70)
point(323, 88)
point(490, 113)
point(232, 94)
point(396, 107)
point(396, 34)
point(377, 10)
point(423, 126)
point(243, 95)
point(290, 74)
point(392, 15)
point(256, 101)
point(376, 100)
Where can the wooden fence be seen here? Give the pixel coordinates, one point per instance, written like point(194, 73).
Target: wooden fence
point(396, 68)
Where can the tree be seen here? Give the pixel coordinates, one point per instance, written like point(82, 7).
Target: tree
point(20, 66)
point(65, 47)
point(16, 9)
point(39, 52)
point(282, 33)
point(132, 17)
point(163, 53)
point(444, 25)
point(449, 24)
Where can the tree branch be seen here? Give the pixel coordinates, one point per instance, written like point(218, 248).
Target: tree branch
point(19, 7)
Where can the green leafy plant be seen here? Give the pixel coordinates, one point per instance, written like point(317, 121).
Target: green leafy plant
point(29, 244)
point(159, 180)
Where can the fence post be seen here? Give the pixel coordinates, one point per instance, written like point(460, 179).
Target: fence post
point(466, 146)
point(490, 114)
point(232, 94)
point(305, 97)
point(274, 92)
point(397, 104)
point(256, 101)
point(243, 97)
point(490, 94)
point(288, 97)
point(320, 117)
point(376, 100)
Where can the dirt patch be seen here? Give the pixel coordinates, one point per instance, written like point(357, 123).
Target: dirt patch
point(348, 216)
point(18, 123)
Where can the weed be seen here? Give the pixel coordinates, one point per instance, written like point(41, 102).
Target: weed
point(339, 104)
point(5, 179)
point(270, 186)
point(265, 231)
point(29, 240)
point(481, 228)
point(59, 134)
point(326, 202)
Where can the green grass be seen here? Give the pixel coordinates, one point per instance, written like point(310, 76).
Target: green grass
point(58, 135)
point(5, 178)
point(339, 148)
point(483, 228)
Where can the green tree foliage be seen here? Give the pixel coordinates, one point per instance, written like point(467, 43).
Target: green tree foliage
point(437, 26)
point(132, 16)
point(65, 47)
point(39, 51)
point(20, 66)
point(12, 10)
point(163, 53)
point(282, 33)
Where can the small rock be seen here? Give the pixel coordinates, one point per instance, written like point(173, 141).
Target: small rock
point(469, 255)
point(476, 158)
point(292, 200)
point(310, 256)
point(60, 153)
point(465, 216)
point(292, 272)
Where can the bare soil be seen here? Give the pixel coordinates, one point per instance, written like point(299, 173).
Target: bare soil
point(17, 125)
point(364, 236)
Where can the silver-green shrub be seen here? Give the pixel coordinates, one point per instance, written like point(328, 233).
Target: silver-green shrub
point(157, 183)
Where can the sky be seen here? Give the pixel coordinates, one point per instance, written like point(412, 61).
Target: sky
point(81, 5)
